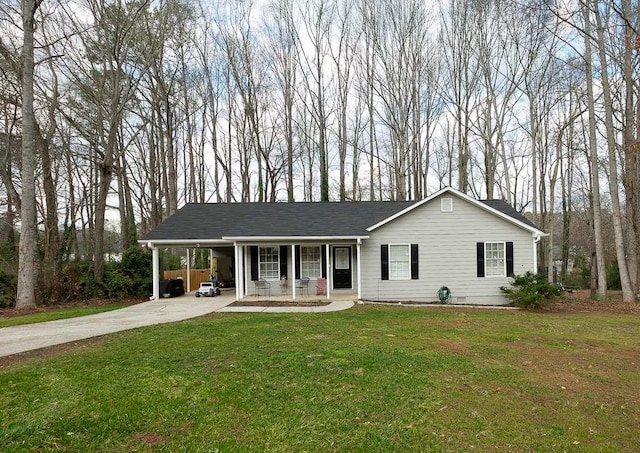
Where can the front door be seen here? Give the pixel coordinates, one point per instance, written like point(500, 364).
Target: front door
point(341, 267)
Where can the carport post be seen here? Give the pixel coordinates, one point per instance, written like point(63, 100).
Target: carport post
point(155, 258)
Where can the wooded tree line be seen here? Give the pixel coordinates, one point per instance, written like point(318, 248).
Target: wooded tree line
point(133, 108)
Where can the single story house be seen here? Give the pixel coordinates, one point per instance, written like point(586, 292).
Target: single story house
point(381, 250)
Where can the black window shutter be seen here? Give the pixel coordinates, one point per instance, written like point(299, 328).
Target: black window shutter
point(414, 261)
point(297, 261)
point(509, 253)
point(283, 261)
point(384, 261)
point(323, 259)
point(480, 258)
point(254, 262)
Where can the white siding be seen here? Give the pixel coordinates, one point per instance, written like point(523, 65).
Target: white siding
point(447, 254)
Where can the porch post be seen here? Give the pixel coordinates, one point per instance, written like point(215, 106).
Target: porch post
point(244, 288)
point(236, 264)
point(188, 269)
point(293, 266)
point(155, 259)
point(358, 264)
point(329, 279)
point(244, 285)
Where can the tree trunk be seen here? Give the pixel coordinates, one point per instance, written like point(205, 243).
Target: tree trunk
point(627, 290)
point(26, 295)
point(593, 159)
point(631, 175)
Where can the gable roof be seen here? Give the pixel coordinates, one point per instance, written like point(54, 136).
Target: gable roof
point(497, 207)
point(224, 222)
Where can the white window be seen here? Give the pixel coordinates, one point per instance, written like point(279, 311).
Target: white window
point(269, 264)
point(494, 259)
point(310, 262)
point(399, 262)
point(446, 204)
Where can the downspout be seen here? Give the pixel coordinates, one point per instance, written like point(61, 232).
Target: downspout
point(536, 239)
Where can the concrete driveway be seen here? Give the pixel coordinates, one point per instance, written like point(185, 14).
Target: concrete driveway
point(14, 340)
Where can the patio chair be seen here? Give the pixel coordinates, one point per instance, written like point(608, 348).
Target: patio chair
point(264, 286)
point(303, 285)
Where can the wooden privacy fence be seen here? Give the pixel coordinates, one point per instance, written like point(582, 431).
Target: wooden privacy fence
point(197, 276)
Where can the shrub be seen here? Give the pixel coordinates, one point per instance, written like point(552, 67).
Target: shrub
point(8, 288)
point(613, 276)
point(131, 276)
point(531, 291)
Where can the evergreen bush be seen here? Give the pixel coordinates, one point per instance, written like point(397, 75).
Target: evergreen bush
point(531, 291)
point(131, 276)
point(613, 276)
point(8, 288)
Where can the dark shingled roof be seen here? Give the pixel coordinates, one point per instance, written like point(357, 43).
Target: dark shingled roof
point(213, 221)
point(216, 220)
point(506, 208)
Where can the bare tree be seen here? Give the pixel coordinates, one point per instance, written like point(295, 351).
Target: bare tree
point(107, 82)
point(285, 53)
point(317, 17)
point(26, 295)
point(627, 289)
point(461, 79)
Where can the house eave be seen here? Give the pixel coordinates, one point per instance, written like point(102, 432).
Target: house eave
point(183, 242)
point(294, 239)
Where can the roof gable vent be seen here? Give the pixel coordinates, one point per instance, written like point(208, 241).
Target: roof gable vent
point(446, 204)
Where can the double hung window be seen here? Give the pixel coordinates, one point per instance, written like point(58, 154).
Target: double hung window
point(310, 262)
point(269, 263)
point(494, 259)
point(399, 262)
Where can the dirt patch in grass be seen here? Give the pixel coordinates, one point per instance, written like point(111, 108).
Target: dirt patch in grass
point(592, 371)
point(278, 303)
point(580, 302)
point(457, 347)
point(147, 439)
point(51, 351)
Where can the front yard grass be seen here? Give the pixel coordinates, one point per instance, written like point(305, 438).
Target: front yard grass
point(54, 314)
point(372, 378)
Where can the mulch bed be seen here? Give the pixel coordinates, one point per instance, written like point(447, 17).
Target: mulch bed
point(277, 303)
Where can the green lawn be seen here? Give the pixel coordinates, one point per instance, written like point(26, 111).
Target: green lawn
point(61, 313)
point(367, 379)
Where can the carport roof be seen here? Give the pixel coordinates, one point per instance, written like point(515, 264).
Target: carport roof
point(215, 221)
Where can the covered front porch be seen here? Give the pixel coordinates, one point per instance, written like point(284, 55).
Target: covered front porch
point(278, 268)
point(293, 269)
